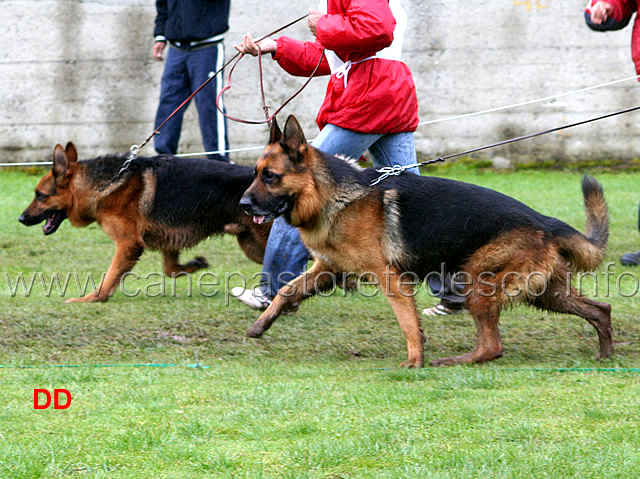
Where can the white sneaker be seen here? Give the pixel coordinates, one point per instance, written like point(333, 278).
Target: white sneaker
point(254, 298)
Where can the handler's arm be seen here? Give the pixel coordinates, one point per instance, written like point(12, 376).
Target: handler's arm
point(158, 30)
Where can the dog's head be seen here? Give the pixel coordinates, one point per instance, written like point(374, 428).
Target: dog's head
point(53, 197)
point(282, 176)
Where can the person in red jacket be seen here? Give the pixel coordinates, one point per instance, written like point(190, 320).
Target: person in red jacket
point(370, 104)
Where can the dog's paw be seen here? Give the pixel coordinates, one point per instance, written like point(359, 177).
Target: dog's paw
point(199, 262)
point(255, 331)
point(413, 363)
point(90, 298)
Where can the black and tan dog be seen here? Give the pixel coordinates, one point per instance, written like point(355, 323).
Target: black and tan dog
point(506, 251)
point(163, 203)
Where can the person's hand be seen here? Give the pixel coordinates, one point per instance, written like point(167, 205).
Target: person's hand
point(157, 49)
point(312, 20)
point(249, 46)
point(600, 12)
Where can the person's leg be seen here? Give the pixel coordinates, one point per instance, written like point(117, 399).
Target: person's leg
point(632, 259)
point(174, 90)
point(339, 141)
point(213, 124)
point(285, 257)
point(394, 149)
point(452, 299)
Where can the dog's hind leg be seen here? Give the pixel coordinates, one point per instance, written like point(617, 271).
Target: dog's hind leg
point(598, 314)
point(251, 239)
point(486, 314)
point(251, 247)
point(173, 268)
point(319, 278)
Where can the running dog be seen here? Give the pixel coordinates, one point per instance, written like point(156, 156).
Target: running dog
point(409, 226)
point(164, 203)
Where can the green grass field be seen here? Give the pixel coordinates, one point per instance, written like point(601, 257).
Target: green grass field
point(321, 395)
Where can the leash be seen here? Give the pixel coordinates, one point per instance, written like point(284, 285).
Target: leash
point(268, 118)
point(135, 149)
point(395, 170)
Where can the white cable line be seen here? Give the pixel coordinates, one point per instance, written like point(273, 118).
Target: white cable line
point(515, 105)
point(33, 163)
point(232, 150)
point(427, 122)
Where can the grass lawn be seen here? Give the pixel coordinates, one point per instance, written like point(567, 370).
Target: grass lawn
point(321, 394)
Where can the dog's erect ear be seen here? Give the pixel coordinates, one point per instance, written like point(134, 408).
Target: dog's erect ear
point(60, 162)
point(293, 135)
point(275, 135)
point(72, 153)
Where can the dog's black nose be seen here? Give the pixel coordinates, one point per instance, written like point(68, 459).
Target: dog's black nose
point(22, 219)
point(246, 203)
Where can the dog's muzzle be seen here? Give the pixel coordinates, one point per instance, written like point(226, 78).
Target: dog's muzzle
point(53, 220)
point(260, 214)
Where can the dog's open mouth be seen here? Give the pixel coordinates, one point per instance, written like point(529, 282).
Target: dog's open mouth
point(53, 221)
point(259, 219)
point(282, 208)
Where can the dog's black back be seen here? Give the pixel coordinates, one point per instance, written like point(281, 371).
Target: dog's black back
point(445, 221)
point(187, 191)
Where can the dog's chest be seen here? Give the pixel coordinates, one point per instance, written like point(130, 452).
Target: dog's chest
point(359, 237)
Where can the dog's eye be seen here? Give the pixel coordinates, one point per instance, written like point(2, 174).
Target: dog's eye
point(269, 176)
point(41, 196)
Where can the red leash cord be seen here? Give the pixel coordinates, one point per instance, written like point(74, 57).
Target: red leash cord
point(268, 117)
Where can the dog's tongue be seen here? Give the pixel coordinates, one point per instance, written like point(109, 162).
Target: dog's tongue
point(49, 225)
point(258, 219)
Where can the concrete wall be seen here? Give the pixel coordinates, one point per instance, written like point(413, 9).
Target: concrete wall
point(81, 71)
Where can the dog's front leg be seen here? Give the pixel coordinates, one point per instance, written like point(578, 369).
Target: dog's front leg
point(319, 278)
point(400, 294)
point(127, 254)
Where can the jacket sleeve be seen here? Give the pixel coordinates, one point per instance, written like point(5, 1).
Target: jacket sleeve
point(161, 18)
point(300, 58)
point(366, 26)
point(622, 9)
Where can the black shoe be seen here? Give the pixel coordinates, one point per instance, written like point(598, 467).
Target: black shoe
point(630, 259)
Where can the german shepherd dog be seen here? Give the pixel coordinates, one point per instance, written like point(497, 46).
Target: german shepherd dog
point(162, 202)
point(506, 251)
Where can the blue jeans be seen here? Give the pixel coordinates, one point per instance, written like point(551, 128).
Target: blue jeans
point(184, 72)
point(285, 256)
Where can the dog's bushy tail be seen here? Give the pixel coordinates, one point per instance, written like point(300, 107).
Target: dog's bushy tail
point(587, 252)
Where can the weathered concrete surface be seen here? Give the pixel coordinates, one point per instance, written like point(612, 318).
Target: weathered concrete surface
point(81, 71)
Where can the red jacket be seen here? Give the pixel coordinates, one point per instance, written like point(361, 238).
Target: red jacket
point(380, 96)
point(623, 9)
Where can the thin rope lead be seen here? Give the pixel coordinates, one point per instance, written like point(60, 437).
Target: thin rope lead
point(398, 169)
